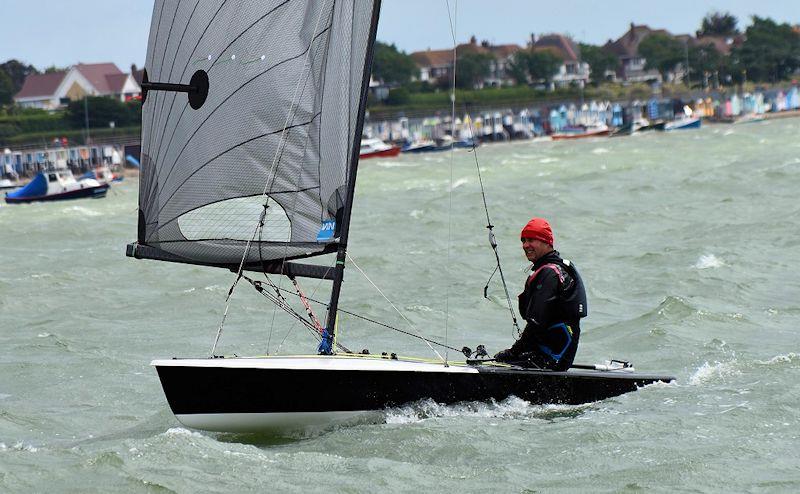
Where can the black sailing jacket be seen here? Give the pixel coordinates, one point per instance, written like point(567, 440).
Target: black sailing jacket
point(553, 295)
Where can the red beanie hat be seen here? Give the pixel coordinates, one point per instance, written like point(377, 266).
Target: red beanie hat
point(539, 229)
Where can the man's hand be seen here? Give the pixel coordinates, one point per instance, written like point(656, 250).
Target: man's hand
point(504, 355)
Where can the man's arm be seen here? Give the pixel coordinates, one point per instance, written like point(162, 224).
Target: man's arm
point(543, 293)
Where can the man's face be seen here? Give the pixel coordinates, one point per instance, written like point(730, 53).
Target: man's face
point(534, 249)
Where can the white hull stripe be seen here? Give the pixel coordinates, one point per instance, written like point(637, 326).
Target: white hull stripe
point(318, 363)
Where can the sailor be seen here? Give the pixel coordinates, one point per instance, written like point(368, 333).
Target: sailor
point(553, 303)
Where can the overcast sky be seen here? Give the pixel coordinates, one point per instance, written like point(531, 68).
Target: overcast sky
point(64, 32)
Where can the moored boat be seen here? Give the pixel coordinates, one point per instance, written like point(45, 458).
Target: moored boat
point(102, 174)
point(376, 148)
point(582, 133)
point(56, 185)
point(7, 184)
point(683, 124)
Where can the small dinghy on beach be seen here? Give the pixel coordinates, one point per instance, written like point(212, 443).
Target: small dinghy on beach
point(255, 171)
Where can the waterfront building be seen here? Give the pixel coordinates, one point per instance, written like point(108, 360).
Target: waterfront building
point(631, 64)
point(56, 89)
point(436, 66)
point(573, 69)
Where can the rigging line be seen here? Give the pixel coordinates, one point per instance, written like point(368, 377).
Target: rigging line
point(453, 19)
point(276, 161)
point(286, 246)
point(278, 299)
point(410, 324)
point(273, 170)
point(493, 240)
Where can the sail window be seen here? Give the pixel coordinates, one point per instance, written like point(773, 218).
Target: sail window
point(236, 219)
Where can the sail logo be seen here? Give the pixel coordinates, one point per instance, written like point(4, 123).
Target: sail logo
point(327, 231)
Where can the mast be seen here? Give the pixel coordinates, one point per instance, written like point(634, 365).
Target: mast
point(341, 255)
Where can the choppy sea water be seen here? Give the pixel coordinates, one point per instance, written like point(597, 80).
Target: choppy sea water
point(689, 246)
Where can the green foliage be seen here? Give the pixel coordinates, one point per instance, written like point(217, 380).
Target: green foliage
point(17, 72)
point(391, 65)
point(31, 123)
point(102, 111)
point(6, 89)
point(535, 66)
point(705, 62)
point(73, 135)
point(719, 24)
point(472, 68)
point(599, 61)
point(771, 51)
point(662, 52)
point(398, 96)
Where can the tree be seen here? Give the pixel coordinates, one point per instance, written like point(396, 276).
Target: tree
point(771, 51)
point(17, 72)
point(662, 53)
point(543, 65)
point(391, 65)
point(600, 61)
point(472, 68)
point(6, 89)
point(719, 24)
point(534, 66)
point(103, 111)
point(705, 61)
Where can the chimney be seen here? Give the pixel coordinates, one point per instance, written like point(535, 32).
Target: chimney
point(485, 43)
point(473, 40)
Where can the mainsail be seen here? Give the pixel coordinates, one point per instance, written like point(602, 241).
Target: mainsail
point(280, 126)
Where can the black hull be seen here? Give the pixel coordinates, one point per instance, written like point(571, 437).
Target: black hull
point(213, 390)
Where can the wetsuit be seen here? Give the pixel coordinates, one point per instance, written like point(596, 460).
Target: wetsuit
point(553, 303)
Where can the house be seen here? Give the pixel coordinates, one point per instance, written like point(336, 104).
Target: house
point(56, 89)
point(573, 69)
point(436, 66)
point(503, 57)
point(723, 44)
point(631, 64)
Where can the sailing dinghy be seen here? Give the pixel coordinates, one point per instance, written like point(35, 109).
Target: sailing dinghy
point(252, 121)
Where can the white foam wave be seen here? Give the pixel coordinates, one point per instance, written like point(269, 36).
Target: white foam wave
point(708, 261)
point(710, 372)
point(458, 183)
point(600, 150)
point(82, 211)
point(548, 160)
point(510, 408)
point(395, 164)
point(416, 214)
point(781, 359)
point(181, 432)
point(20, 446)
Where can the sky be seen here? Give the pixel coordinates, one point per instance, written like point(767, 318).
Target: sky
point(63, 33)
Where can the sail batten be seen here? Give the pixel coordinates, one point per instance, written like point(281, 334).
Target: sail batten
point(285, 83)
